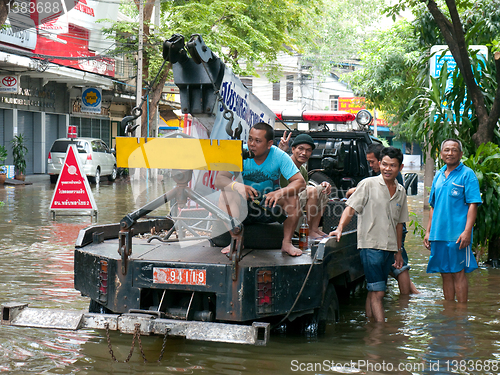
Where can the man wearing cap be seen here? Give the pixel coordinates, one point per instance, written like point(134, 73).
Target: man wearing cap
point(314, 199)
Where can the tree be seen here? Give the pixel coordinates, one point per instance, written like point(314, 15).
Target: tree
point(454, 33)
point(469, 110)
point(4, 10)
point(392, 72)
point(343, 28)
point(244, 33)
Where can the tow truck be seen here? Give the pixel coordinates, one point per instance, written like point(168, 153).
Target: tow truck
point(154, 275)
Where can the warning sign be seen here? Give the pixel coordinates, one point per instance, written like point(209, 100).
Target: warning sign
point(72, 189)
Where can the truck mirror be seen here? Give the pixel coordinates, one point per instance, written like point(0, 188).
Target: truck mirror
point(411, 183)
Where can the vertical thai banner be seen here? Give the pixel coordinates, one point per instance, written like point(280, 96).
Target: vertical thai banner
point(91, 100)
point(246, 107)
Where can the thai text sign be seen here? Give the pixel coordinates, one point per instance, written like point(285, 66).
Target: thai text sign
point(72, 188)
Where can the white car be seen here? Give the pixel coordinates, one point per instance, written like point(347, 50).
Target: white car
point(95, 157)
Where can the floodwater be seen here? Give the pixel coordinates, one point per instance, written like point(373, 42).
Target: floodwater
point(423, 335)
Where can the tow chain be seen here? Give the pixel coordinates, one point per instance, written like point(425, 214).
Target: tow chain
point(137, 336)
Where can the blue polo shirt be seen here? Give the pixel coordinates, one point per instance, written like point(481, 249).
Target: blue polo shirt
point(266, 177)
point(450, 198)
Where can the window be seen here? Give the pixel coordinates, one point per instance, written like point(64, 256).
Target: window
point(276, 90)
point(289, 88)
point(334, 102)
point(248, 83)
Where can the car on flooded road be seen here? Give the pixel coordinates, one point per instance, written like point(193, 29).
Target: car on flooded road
point(96, 158)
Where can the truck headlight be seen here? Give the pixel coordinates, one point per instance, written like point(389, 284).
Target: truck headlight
point(364, 117)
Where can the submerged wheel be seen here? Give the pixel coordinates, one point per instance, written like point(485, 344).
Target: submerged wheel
point(314, 324)
point(329, 312)
point(53, 178)
point(97, 308)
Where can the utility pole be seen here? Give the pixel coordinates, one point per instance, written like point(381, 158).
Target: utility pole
point(138, 92)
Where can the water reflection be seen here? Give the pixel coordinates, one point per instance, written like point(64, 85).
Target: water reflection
point(36, 255)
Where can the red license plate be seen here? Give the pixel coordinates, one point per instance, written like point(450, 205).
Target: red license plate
point(179, 276)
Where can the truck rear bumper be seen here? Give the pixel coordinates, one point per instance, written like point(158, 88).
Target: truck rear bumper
point(18, 314)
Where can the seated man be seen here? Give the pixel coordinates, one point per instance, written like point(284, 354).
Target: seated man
point(314, 199)
point(260, 177)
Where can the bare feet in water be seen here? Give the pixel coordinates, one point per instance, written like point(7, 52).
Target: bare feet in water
point(290, 249)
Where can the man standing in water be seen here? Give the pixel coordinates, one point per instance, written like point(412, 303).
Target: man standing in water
point(382, 209)
point(402, 275)
point(454, 200)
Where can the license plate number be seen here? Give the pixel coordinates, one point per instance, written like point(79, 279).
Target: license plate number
point(179, 276)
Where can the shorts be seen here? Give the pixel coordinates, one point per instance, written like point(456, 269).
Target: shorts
point(256, 214)
point(446, 257)
point(322, 202)
point(395, 271)
point(376, 264)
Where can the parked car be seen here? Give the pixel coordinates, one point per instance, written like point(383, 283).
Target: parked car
point(95, 156)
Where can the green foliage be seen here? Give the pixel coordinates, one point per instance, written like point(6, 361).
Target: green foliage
point(400, 87)
point(19, 152)
point(244, 33)
point(418, 229)
point(486, 164)
point(392, 73)
point(437, 113)
point(341, 32)
point(3, 155)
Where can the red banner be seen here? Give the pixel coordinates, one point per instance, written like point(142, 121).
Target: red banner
point(355, 104)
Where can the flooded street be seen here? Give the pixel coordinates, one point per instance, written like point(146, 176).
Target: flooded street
point(423, 335)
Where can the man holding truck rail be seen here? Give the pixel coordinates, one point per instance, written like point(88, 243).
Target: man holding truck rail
point(382, 209)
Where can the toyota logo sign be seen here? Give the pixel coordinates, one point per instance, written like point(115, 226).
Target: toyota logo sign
point(9, 81)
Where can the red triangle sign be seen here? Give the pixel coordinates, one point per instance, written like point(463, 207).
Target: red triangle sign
point(72, 189)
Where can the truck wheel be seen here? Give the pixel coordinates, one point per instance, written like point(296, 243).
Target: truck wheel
point(97, 308)
point(329, 311)
point(318, 177)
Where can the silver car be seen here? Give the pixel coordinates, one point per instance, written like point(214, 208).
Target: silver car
point(95, 157)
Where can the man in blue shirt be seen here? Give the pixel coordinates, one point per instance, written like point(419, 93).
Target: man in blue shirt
point(454, 200)
point(261, 178)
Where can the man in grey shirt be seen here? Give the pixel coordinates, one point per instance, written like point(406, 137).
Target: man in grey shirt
point(382, 209)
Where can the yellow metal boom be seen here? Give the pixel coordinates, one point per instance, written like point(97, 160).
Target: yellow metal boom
point(179, 153)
